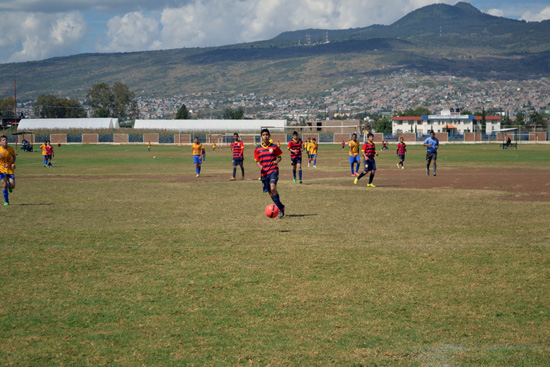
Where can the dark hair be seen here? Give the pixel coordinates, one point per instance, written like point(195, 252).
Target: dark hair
point(265, 131)
point(294, 132)
point(235, 134)
point(432, 132)
point(354, 134)
point(370, 134)
point(3, 136)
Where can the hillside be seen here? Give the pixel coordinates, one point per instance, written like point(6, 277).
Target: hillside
point(435, 38)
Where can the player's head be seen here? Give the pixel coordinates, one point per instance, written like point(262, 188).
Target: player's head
point(196, 139)
point(295, 135)
point(265, 135)
point(432, 134)
point(314, 140)
point(354, 136)
point(3, 140)
point(236, 136)
point(401, 139)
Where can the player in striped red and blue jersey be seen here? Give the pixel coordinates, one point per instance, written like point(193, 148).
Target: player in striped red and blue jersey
point(401, 151)
point(295, 146)
point(369, 152)
point(238, 156)
point(267, 157)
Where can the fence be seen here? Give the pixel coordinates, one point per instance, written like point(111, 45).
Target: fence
point(282, 138)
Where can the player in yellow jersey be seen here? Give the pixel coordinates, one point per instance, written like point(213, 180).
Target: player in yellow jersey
point(313, 152)
point(7, 168)
point(354, 157)
point(149, 146)
point(306, 146)
point(198, 153)
point(44, 153)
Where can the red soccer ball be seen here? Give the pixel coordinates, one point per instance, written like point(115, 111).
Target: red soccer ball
point(272, 211)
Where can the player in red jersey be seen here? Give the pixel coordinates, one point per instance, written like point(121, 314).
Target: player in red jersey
point(295, 146)
point(369, 152)
point(267, 157)
point(401, 151)
point(238, 156)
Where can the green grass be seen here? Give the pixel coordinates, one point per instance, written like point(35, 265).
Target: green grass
point(114, 258)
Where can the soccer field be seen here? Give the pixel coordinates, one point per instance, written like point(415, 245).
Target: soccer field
point(114, 258)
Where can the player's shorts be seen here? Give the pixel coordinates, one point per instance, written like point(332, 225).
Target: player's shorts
point(370, 164)
point(354, 159)
point(197, 159)
point(49, 156)
point(238, 161)
point(402, 157)
point(431, 156)
point(295, 161)
point(267, 180)
point(313, 156)
point(9, 176)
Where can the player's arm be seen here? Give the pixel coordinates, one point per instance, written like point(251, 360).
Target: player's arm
point(242, 150)
point(13, 160)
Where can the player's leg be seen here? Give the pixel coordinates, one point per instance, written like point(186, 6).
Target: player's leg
point(4, 179)
point(242, 169)
point(293, 164)
point(299, 167)
point(434, 165)
point(314, 161)
point(428, 162)
point(235, 163)
point(351, 163)
point(11, 182)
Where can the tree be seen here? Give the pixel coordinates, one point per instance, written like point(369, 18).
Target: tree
point(116, 101)
point(419, 111)
point(384, 125)
point(230, 114)
point(182, 114)
point(7, 107)
point(466, 112)
point(536, 118)
point(49, 106)
point(520, 118)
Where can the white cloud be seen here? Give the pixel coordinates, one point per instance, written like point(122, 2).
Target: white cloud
point(132, 32)
point(37, 36)
point(496, 12)
point(529, 16)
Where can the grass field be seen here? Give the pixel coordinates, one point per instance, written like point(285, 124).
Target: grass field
point(114, 258)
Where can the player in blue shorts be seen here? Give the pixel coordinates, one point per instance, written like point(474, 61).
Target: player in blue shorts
point(7, 167)
point(267, 157)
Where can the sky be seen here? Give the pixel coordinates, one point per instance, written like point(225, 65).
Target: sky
point(38, 29)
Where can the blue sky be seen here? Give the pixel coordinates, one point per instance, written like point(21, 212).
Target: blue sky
point(38, 29)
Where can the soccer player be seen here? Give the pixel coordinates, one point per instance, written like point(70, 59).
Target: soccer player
point(198, 152)
point(44, 153)
point(401, 151)
point(213, 146)
point(431, 154)
point(343, 144)
point(267, 157)
point(313, 152)
point(306, 145)
point(49, 153)
point(369, 152)
point(295, 146)
point(149, 146)
point(238, 156)
point(354, 157)
point(7, 167)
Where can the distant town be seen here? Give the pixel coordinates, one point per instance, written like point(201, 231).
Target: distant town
point(366, 96)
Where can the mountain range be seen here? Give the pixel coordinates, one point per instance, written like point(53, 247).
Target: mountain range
point(434, 39)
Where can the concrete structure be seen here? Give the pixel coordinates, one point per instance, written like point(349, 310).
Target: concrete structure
point(63, 124)
point(444, 122)
point(210, 125)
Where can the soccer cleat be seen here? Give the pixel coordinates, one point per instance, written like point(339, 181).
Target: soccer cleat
point(281, 213)
point(10, 189)
point(6, 203)
point(300, 181)
point(356, 180)
point(370, 185)
point(353, 175)
point(434, 174)
point(428, 172)
point(232, 179)
point(397, 164)
point(197, 175)
point(314, 166)
point(259, 178)
point(402, 167)
point(308, 164)
point(294, 179)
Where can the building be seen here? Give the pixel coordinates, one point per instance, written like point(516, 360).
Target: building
point(444, 122)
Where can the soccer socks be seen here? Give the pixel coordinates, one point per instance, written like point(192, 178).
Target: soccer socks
point(434, 168)
point(315, 162)
point(242, 171)
point(357, 168)
point(235, 172)
point(351, 168)
point(300, 175)
point(371, 177)
point(294, 174)
point(6, 196)
point(198, 169)
point(361, 175)
point(278, 202)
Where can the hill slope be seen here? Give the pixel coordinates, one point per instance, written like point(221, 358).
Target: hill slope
point(434, 38)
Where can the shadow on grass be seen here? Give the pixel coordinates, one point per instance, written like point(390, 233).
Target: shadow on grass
point(37, 204)
point(299, 215)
